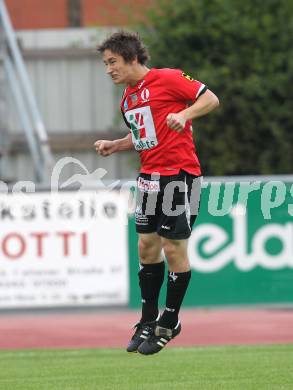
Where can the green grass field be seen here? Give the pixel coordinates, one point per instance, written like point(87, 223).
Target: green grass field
point(247, 367)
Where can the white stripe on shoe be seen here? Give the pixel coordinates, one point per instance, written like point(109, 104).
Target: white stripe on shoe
point(178, 323)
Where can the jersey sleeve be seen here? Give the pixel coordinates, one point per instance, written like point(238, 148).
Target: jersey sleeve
point(184, 87)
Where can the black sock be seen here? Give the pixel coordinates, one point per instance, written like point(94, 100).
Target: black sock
point(176, 287)
point(151, 277)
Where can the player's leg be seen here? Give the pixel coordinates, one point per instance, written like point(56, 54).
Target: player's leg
point(179, 275)
point(152, 266)
point(175, 231)
point(151, 276)
point(175, 243)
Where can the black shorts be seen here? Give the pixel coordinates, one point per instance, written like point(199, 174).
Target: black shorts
point(167, 205)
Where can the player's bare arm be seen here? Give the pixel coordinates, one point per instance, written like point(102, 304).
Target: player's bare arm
point(106, 148)
point(203, 105)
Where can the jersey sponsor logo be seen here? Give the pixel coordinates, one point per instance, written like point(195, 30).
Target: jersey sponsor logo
point(144, 145)
point(142, 128)
point(137, 125)
point(145, 94)
point(187, 76)
point(148, 186)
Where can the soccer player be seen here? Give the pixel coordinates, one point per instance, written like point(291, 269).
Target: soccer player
point(158, 106)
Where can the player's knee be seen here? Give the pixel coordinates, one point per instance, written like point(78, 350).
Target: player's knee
point(144, 249)
point(176, 255)
point(171, 249)
point(148, 251)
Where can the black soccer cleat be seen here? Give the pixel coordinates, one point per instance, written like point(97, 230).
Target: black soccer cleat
point(159, 339)
point(142, 333)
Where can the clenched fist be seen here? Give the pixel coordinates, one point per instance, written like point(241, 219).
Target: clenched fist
point(105, 148)
point(176, 121)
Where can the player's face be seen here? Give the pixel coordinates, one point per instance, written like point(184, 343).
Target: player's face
point(119, 70)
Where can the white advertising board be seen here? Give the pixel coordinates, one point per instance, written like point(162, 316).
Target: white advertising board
point(63, 249)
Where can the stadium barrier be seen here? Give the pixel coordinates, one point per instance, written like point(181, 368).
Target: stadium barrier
point(79, 248)
point(241, 247)
point(63, 249)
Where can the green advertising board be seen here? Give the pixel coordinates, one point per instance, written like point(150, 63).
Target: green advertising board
point(241, 247)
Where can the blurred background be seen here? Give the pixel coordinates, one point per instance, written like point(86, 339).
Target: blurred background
point(242, 50)
point(56, 101)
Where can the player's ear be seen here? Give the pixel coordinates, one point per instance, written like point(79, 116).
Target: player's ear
point(134, 61)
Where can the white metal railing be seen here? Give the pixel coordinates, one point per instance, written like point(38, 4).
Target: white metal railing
point(25, 101)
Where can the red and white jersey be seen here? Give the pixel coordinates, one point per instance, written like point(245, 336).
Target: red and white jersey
point(145, 108)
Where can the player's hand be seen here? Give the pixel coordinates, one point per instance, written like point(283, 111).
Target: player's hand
point(105, 148)
point(176, 121)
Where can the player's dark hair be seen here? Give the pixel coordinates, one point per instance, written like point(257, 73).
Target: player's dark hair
point(127, 44)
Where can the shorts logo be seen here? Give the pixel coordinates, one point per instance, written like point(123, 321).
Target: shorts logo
point(141, 219)
point(187, 77)
point(148, 186)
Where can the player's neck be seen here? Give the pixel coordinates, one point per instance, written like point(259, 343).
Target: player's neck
point(138, 74)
